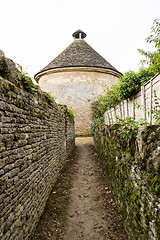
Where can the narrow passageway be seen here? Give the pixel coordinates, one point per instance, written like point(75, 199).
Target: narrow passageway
point(89, 211)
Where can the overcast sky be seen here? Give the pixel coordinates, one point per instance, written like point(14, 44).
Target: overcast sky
point(34, 32)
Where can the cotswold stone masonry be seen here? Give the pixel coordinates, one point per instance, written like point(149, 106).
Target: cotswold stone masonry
point(133, 167)
point(36, 137)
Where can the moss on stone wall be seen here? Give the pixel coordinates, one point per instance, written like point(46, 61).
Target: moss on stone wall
point(133, 168)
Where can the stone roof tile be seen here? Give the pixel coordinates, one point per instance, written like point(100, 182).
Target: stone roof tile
point(79, 54)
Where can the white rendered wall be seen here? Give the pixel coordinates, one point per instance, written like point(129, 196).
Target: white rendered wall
point(77, 90)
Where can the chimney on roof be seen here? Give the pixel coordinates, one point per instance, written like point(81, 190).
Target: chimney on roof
point(79, 35)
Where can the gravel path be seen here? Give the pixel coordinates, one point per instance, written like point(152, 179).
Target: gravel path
point(89, 212)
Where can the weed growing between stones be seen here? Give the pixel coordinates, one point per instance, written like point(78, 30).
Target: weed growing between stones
point(154, 182)
point(4, 88)
point(70, 113)
point(49, 99)
point(27, 81)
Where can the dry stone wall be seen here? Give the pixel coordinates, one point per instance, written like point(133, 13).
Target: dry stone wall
point(36, 137)
point(133, 167)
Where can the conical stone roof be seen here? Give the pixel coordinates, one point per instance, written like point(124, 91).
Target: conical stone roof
point(79, 54)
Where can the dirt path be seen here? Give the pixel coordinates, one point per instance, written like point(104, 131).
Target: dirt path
point(81, 206)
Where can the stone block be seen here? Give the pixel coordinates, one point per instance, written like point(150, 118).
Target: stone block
point(2, 162)
point(136, 190)
point(33, 152)
point(1, 172)
point(13, 172)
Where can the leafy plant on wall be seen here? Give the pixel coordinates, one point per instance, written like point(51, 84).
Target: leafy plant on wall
point(129, 127)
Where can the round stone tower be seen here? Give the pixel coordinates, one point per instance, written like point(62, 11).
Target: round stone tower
point(76, 77)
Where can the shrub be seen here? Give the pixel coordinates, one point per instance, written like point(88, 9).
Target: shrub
point(132, 81)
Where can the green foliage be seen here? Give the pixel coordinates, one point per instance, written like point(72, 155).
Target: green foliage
point(129, 84)
point(118, 160)
point(155, 33)
point(70, 113)
point(49, 99)
point(109, 100)
point(129, 127)
point(152, 59)
point(27, 81)
point(1, 71)
point(4, 88)
point(156, 109)
point(154, 182)
point(95, 122)
point(132, 81)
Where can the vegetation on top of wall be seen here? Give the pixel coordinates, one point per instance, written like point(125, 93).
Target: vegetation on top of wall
point(129, 127)
point(29, 86)
point(131, 81)
point(50, 100)
point(32, 88)
point(68, 111)
point(27, 81)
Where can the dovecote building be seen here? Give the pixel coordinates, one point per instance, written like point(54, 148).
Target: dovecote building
point(76, 77)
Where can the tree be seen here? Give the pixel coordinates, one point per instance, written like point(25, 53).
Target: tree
point(131, 81)
point(153, 58)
